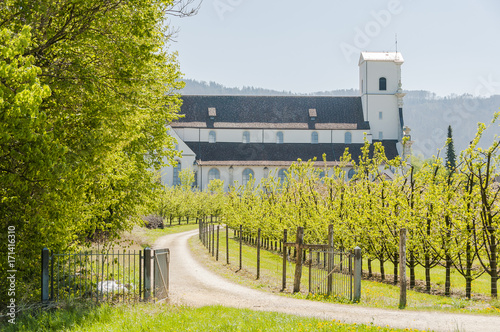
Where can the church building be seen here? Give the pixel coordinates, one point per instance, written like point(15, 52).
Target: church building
point(235, 138)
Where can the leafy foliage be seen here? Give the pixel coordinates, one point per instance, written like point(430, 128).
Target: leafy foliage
point(87, 89)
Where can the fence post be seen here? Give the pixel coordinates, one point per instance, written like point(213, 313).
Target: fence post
point(283, 287)
point(227, 245)
point(213, 239)
point(330, 263)
point(298, 264)
point(45, 274)
point(217, 250)
point(357, 274)
point(147, 273)
point(209, 233)
point(241, 243)
point(310, 270)
point(402, 268)
point(258, 253)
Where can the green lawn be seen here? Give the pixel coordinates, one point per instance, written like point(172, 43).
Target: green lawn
point(373, 294)
point(162, 317)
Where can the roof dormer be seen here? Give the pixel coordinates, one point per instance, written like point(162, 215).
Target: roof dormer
point(212, 113)
point(313, 114)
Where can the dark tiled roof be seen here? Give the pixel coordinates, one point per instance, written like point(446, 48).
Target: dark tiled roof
point(272, 110)
point(273, 153)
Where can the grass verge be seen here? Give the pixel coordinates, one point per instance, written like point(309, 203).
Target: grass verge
point(373, 294)
point(164, 317)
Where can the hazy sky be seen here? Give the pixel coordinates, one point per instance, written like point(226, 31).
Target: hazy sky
point(306, 46)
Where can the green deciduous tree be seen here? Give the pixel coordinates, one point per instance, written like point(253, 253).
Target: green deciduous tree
point(87, 90)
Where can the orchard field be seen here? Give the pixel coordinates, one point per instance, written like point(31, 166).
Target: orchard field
point(449, 209)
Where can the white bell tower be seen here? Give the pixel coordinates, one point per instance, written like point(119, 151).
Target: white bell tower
point(381, 93)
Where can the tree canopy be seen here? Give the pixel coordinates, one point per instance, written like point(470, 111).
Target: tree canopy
point(87, 88)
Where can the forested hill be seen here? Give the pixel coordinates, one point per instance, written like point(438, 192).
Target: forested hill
point(426, 114)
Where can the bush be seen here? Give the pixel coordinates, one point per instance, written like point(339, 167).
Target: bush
point(153, 221)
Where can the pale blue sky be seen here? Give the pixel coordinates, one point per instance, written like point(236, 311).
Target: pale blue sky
point(306, 46)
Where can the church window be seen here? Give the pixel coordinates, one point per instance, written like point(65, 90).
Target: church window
point(351, 173)
point(177, 169)
point(348, 138)
point(247, 175)
point(380, 135)
point(380, 115)
point(382, 84)
point(246, 137)
point(213, 174)
point(211, 137)
point(279, 137)
point(314, 137)
point(282, 175)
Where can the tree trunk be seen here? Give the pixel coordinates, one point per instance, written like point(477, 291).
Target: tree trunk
point(412, 270)
point(427, 267)
point(447, 283)
point(396, 269)
point(382, 271)
point(468, 272)
point(493, 266)
point(370, 274)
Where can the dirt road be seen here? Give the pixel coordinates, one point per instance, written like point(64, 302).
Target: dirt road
point(194, 285)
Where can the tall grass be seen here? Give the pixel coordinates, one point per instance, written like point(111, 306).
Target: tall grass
point(151, 317)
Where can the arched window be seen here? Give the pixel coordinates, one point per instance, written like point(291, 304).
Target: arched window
point(348, 138)
point(314, 137)
point(246, 137)
point(321, 174)
point(213, 174)
point(282, 175)
point(212, 138)
point(351, 173)
point(177, 169)
point(382, 84)
point(279, 137)
point(247, 175)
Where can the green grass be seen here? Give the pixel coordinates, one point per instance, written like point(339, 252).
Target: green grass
point(164, 317)
point(480, 286)
point(373, 294)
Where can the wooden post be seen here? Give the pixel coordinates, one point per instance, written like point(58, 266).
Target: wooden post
point(283, 287)
point(258, 253)
point(213, 239)
point(298, 265)
point(147, 274)
point(357, 274)
point(310, 269)
point(330, 263)
point(217, 251)
point(199, 230)
point(209, 233)
point(45, 275)
point(241, 244)
point(227, 245)
point(402, 268)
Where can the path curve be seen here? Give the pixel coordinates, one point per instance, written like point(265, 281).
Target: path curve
point(194, 285)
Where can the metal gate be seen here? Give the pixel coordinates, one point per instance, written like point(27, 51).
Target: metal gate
point(331, 272)
point(105, 276)
point(160, 281)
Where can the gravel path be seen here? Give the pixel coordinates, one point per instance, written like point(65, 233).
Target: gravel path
point(194, 285)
